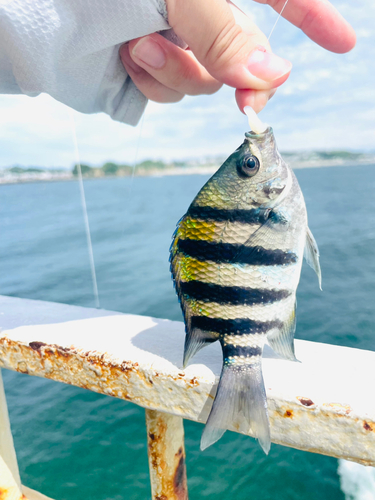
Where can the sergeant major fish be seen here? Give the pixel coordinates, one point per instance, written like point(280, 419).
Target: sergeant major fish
point(236, 259)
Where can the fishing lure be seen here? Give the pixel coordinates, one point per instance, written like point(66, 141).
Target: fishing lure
point(236, 260)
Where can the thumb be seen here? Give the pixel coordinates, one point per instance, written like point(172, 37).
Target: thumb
point(235, 56)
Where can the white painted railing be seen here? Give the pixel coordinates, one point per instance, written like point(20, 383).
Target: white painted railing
point(323, 404)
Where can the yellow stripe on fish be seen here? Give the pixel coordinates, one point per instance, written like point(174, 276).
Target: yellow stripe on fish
point(252, 340)
point(279, 310)
point(232, 232)
point(225, 274)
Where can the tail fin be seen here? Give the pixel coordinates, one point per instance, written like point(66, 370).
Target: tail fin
point(240, 393)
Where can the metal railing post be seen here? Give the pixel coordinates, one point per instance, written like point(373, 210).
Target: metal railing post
point(166, 456)
point(10, 483)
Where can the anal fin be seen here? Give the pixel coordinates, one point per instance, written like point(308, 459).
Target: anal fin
point(195, 340)
point(282, 341)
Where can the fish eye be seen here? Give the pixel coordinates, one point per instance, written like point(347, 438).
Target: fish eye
point(248, 165)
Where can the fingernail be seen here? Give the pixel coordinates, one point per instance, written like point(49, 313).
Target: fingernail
point(267, 66)
point(149, 52)
point(127, 60)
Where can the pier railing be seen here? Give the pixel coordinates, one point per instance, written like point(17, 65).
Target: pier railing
point(324, 404)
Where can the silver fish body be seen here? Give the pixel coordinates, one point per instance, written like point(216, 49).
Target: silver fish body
point(236, 259)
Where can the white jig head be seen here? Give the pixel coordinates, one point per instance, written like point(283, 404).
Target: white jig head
point(255, 124)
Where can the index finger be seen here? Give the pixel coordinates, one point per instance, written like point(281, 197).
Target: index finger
point(319, 20)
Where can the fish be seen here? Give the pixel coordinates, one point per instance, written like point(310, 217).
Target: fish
point(236, 258)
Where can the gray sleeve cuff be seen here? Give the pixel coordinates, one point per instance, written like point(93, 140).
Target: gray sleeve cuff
point(132, 104)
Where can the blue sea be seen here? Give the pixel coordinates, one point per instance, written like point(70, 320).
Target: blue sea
point(73, 444)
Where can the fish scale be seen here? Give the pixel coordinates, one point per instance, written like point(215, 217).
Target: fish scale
point(236, 259)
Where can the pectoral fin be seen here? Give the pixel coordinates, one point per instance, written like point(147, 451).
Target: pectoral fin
point(311, 254)
point(275, 225)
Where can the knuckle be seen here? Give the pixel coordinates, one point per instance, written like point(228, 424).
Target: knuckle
point(230, 41)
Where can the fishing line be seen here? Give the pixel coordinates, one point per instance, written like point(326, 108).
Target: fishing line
point(137, 150)
point(84, 210)
point(277, 20)
point(254, 122)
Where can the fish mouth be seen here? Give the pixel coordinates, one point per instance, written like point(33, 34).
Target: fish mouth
point(252, 135)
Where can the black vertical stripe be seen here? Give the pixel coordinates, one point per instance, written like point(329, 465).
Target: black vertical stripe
point(251, 216)
point(234, 253)
point(237, 326)
point(234, 295)
point(246, 351)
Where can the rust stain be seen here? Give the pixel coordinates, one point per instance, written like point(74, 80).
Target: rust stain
point(64, 351)
point(368, 426)
point(35, 346)
point(236, 426)
point(60, 360)
point(67, 362)
point(5, 494)
point(285, 412)
point(126, 366)
point(305, 401)
point(51, 348)
point(156, 445)
point(179, 480)
point(169, 469)
point(22, 367)
point(62, 363)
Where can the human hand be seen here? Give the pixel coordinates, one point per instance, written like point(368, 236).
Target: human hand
point(226, 47)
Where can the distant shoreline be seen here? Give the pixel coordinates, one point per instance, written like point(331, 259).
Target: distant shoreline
point(51, 176)
point(293, 165)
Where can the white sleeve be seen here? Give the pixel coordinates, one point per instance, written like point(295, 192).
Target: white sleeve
point(69, 50)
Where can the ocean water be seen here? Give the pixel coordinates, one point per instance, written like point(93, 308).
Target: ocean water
point(74, 444)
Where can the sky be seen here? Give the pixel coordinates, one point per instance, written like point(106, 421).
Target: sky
point(328, 103)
